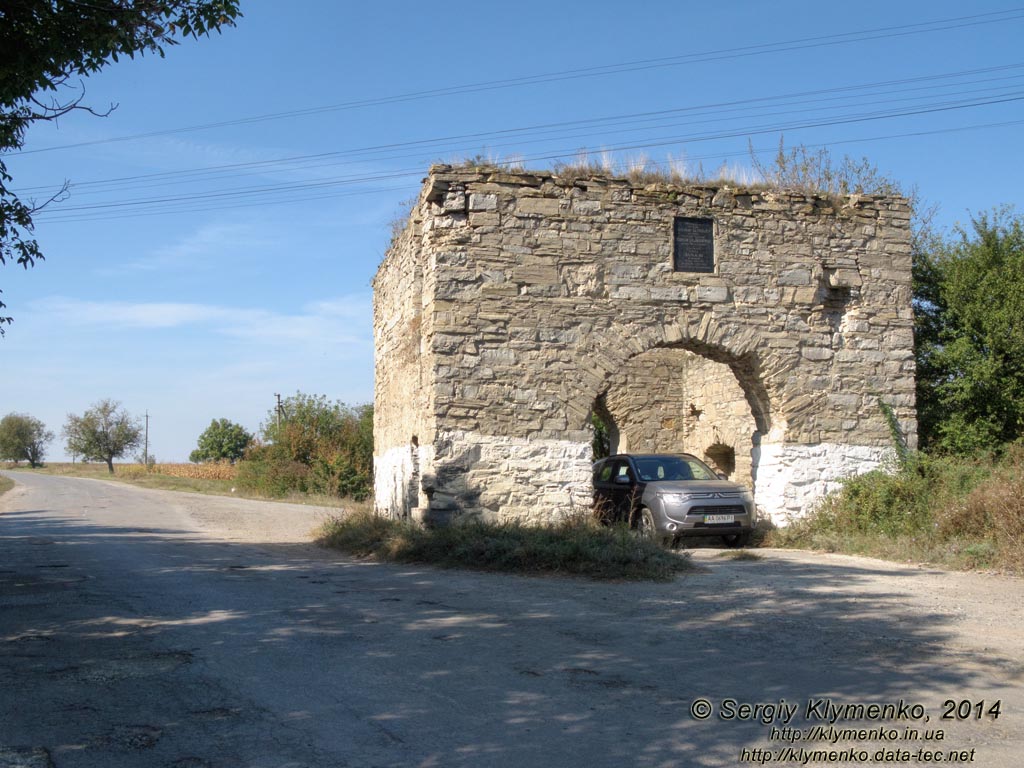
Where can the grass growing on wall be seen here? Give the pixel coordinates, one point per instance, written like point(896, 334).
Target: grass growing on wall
point(576, 547)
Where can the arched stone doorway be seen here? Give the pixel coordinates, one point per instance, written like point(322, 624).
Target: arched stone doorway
point(671, 400)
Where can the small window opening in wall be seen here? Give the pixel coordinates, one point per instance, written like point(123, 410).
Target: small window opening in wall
point(693, 245)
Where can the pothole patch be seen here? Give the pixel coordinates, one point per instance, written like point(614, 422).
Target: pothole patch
point(217, 713)
point(18, 585)
point(132, 737)
point(112, 670)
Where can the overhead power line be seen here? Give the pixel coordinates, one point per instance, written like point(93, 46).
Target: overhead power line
point(276, 190)
point(419, 172)
point(835, 98)
point(927, 27)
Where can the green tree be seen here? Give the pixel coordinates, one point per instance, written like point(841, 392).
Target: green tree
point(331, 442)
point(23, 438)
point(223, 440)
point(44, 45)
point(103, 433)
point(969, 294)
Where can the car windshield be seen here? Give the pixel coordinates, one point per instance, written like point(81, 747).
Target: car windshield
point(653, 469)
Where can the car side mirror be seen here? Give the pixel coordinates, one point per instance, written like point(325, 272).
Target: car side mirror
point(622, 480)
point(722, 475)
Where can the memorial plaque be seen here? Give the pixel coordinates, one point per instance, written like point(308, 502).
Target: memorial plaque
point(694, 245)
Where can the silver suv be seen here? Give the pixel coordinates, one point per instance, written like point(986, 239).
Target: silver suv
point(669, 497)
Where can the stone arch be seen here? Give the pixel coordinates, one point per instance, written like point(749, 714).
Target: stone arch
point(739, 350)
point(682, 396)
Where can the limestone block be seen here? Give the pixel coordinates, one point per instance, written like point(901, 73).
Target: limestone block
point(536, 274)
point(817, 353)
point(630, 292)
point(479, 202)
point(586, 207)
point(539, 206)
point(678, 293)
point(843, 278)
point(455, 201)
point(484, 219)
point(712, 293)
point(795, 277)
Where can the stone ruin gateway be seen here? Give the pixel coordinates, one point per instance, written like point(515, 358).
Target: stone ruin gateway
point(755, 328)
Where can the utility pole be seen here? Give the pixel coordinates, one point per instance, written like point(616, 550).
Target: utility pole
point(278, 412)
point(145, 450)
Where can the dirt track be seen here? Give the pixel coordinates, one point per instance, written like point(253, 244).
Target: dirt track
point(148, 628)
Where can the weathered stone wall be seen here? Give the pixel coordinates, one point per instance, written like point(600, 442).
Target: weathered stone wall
point(534, 292)
point(669, 400)
point(720, 420)
point(403, 415)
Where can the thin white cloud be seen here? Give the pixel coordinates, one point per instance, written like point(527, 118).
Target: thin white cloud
point(356, 305)
point(208, 247)
point(340, 321)
point(122, 314)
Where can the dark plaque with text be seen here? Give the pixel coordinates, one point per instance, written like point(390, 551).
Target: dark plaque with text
point(694, 245)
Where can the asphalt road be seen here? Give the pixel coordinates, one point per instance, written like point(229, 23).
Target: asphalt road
point(147, 628)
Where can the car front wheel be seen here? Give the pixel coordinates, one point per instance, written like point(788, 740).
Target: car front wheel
point(646, 529)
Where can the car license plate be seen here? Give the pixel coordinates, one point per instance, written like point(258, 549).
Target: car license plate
point(711, 519)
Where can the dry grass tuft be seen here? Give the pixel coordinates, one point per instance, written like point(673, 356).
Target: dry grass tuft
point(574, 547)
point(741, 555)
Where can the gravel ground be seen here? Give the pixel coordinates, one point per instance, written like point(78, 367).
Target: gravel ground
point(153, 628)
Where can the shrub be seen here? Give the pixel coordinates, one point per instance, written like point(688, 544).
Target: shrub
point(907, 502)
point(338, 475)
point(333, 441)
point(962, 512)
point(267, 472)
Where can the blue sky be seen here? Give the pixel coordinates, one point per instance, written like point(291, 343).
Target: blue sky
point(195, 271)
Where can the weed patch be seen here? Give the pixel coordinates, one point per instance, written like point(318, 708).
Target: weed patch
point(960, 513)
point(741, 555)
point(575, 547)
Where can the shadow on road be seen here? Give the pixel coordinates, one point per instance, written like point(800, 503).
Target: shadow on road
point(238, 649)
